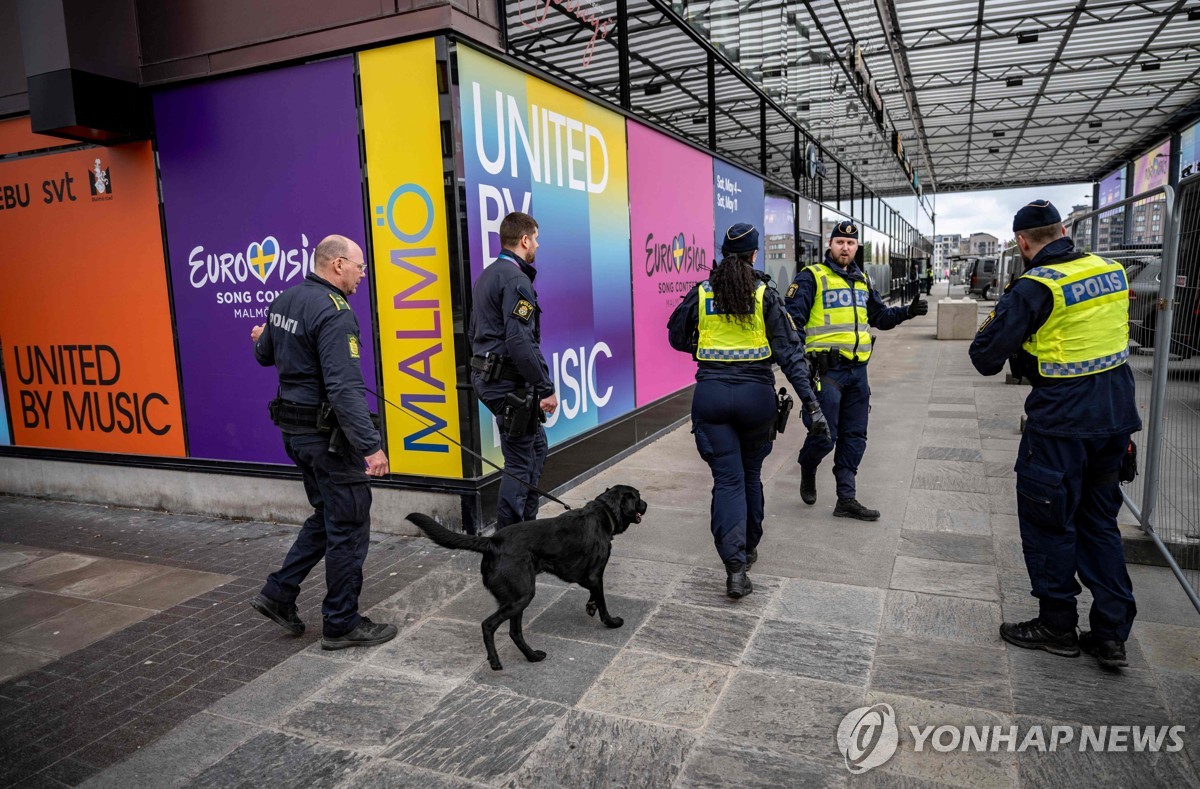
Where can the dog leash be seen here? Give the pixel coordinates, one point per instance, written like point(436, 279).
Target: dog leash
point(470, 452)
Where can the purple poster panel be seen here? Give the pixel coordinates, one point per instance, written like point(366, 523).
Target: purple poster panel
point(737, 197)
point(256, 170)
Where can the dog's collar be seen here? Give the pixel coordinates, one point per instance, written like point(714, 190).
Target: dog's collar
point(616, 520)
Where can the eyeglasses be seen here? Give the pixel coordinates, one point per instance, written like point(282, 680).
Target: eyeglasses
point(361, 266)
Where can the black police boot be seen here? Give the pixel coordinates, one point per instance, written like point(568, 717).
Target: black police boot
point(1036, 634)
point(808, 485)
point(751, 558)
point(284, 615)
point(1111, 654)
point(737, 584)
point(367, 634)
point(850, 508)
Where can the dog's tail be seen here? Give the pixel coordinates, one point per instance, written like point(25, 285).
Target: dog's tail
point(449, 539)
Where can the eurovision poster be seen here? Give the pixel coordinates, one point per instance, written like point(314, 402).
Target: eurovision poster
point(528, 146)
point(256, 170)
point(1189, 151)
point(1151, 169)
point(671, 225)
point(402, 127)
point(89, 362)
point(737, 197)
point(1112, 187)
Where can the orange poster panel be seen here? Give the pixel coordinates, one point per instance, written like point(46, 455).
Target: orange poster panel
point(85, 323)
point(16, 136)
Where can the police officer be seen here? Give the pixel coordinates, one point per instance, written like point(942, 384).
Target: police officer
point(736, 327)
point(509, 373)
point(1065, 324)
point(311, 336)
point(835, 305)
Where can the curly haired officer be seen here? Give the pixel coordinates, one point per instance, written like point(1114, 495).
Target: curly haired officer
point(835, 306)
point(736, 328)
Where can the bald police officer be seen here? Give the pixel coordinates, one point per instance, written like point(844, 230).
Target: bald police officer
point(834, 307)
point(1065, 325)
point(311, 336)
point(509, 373)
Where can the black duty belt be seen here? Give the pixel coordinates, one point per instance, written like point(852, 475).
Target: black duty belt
point(506, 370)
point(285, 413)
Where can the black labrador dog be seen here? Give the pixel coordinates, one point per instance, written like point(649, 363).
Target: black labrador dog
point(574, 546)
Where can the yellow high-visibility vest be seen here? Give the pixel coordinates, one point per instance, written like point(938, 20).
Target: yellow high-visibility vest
point(725, 339)
point(1088, 329)
point(838, 318)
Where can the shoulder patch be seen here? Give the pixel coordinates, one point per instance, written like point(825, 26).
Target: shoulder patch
point(339, 302)
point(352, 343)
point(523, 310)
point(986, 321)
point(791, 291)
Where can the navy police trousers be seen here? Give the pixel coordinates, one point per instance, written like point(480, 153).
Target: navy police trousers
point(1067, 503)
point(524, 457)
point(338, 531)
point(845, 400)
point(732, 425)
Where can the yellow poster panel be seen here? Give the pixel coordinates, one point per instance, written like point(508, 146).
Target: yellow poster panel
point(402, 128)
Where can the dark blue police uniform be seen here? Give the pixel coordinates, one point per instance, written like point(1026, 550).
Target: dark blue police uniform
point(844, 394)
point(733, 408)
point(506, 322)
point(312, 338)
point(1076, 433)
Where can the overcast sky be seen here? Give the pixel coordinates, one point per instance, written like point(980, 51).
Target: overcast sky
point(991, 211)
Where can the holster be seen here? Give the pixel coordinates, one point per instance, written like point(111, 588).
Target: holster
point(521, 415)
point(783, 408)
point(493, 367)
point(1128, 469)
point(339, 444)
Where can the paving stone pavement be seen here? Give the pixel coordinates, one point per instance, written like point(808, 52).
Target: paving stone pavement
point(695, 690)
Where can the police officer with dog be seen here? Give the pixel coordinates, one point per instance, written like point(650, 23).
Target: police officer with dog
point(509, 372)
point(312, 338)
point(1064, 326)
point(736, 328)
point(835, 307)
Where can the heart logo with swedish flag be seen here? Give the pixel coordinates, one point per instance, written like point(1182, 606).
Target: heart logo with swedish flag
point(677, 246)
point(262, 258)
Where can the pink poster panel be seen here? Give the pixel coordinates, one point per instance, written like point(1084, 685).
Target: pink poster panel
point(671, 230)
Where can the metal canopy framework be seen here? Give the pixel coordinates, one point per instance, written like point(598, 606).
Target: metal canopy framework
point(982, 94)
point(642, 56)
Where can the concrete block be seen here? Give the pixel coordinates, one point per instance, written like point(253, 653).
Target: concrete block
point(956, 320)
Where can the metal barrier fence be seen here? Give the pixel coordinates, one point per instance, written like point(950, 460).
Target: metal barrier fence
point(1162, 265)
